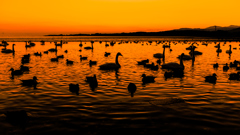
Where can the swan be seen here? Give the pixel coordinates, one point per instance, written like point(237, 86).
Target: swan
point(74, 88)
point(174, 66)
point(234, 76)
point(9, 50)
point(69, 62)
point(80, 44)
point(31, 82)
point(143, 62)
point(107, 54)
point(15, 72)
point(147, 79)
point(211, 79)
point(226, 67)
point(111, 66)
point(160, 55)
point(61, 42)
point(60, 56)
point(185, 57)
point(230, 50)
point(215, 65)
point(132, 88)
point(83, 58)
point(54, 59)
point(24, 68)
point(53, 49)
point(88, 47)
point(38, 54)
point(92, 62)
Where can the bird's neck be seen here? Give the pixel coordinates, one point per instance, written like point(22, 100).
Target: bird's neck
point(163, 52)
point(181, 61)
point(116, 60)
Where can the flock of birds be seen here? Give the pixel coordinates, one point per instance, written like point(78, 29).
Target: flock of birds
point(172, 69)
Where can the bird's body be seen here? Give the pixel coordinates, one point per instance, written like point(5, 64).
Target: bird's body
point(74, 88)
point(147, 79)
point(83, 58)
point(173, 65)
point(111, 66)
point(211, 79)
point(30, 82)
point(160, 55)
point(92, 62)
point(69, 62)
point(234, 76)
point(132, 88)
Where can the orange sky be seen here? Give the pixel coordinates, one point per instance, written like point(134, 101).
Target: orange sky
point(91, 16)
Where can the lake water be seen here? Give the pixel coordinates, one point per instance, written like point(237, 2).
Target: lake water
point(52, 108)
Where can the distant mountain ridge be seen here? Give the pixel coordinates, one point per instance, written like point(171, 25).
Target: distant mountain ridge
point(212, 28)
point(212, 31)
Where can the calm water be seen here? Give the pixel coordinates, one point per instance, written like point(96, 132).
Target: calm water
point(208, 108)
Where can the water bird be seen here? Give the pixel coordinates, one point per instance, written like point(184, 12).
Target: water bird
point(74, 88)
point(173, 65)
point(53, 49)
point(132, 88)
point(66, 51)
point(111, 66)
point(234, 76)
point(195, 53)
point(60, 56)
point(60, 44)
point(92, 80)
point(226, 67)
point(215, 65)
point(54, 59)
point(83, 58)
point(160, 55)
point(38, 54)
point(42, 42)
point(185, 57)
point(211, 79)
point(232, 64)
point(88, 47)
point(107, 54)
point(24, 68)
point(15, 72)
point(147, 79)
point(80, 44)
point(143, 62)
point(92, 62)
point(69, 62)
point(230, 50)
point(30, 82)
point(9, 50)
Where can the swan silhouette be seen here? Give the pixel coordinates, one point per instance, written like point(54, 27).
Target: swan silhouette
point(9, 50)
point(160, 55)
point(31, 82)
point(88, 47)
point(211, 79)
point(111, 66)
point(173, 65)
point(147, 79)
point(132, 88)
point(230, 50)
point(74, 88)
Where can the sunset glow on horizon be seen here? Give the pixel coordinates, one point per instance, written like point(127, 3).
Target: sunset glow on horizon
point(114, 16)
